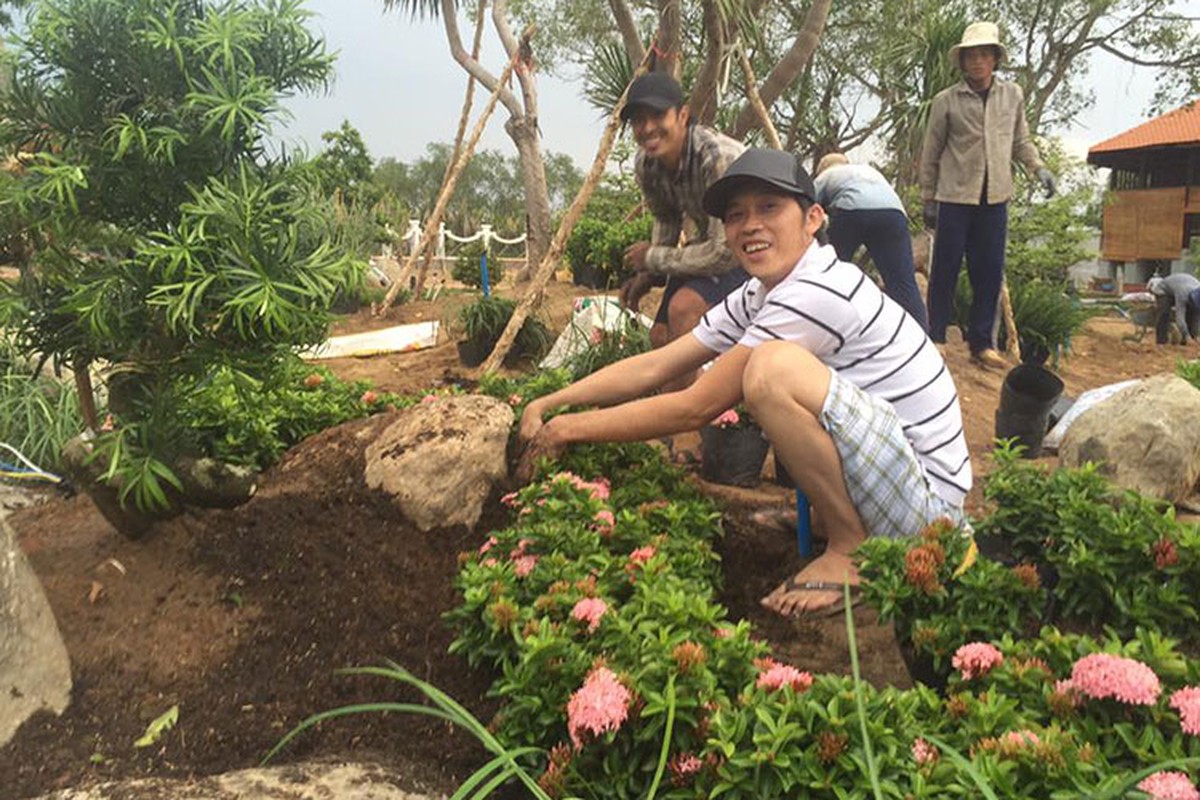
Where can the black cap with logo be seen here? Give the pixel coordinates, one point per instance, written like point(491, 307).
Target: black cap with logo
point(776, 168)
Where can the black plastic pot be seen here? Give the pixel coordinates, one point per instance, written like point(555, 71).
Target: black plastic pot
point(920, 666)
point(1028, 394)
point(588, 275)
point(473, 352)
point(733, 456)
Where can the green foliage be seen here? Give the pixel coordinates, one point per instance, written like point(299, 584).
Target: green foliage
point(606, 347)
point(594, 242)
point(241, 419)
point(38, 412)
point(485, 319)
point(1189, 371)
point(161, 239)
point(1046, 316)
point(345, 168)
point(1046, 237)
point(1116, 556)
point(467, 270)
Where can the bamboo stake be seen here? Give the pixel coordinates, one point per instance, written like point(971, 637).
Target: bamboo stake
point(756, 101)
point(87, 397)
point(541, 275)
point(1013, 346)
point(439, 209)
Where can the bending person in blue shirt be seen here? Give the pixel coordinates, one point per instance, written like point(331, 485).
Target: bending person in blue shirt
point(853, 395)
point(864, 209)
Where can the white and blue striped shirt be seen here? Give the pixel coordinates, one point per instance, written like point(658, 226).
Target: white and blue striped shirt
point(835, 312)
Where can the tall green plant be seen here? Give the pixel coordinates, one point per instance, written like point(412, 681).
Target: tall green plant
point(162, 239)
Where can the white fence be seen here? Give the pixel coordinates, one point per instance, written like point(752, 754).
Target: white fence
point(439, 266)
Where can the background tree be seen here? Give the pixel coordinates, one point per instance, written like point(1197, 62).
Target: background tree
point(162, 239)
point(344, 166)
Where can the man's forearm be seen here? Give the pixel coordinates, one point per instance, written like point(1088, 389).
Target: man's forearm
point(697, 260)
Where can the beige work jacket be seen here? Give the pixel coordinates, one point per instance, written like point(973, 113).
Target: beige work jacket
point(966, 136)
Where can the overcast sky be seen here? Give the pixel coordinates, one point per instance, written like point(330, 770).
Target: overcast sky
point(397, 84)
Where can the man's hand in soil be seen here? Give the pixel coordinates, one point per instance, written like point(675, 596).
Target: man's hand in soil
point(634, 289)
point(544, 444)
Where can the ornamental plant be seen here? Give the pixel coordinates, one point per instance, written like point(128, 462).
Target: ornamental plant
point(1111, 556)
point(161, 239)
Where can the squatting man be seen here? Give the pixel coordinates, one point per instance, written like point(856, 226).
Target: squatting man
point(847, 386)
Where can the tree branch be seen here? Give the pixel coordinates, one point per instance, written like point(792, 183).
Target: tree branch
point(634, 49)
point(471, 65)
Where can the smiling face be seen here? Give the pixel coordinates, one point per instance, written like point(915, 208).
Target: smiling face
point(660, 134)
point(978, 65)
point(769, 231)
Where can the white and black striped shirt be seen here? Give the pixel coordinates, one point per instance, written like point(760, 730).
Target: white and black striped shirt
point(839, 315)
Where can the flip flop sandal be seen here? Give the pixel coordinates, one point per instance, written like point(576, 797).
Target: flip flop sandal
point(836, 607)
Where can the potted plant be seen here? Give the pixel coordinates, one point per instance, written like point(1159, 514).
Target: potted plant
point(734, 449)
point(483, 321)
point(596, 249)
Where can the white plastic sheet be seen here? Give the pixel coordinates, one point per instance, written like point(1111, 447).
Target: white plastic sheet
point(1086, 400)
point(591, 313)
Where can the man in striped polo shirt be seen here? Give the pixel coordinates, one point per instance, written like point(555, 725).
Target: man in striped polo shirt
point(851, 392)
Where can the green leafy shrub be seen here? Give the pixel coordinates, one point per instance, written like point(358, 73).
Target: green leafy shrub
point(1046, 316)
point(608, 347)
point(484, 320)
point(1189, 371)
point(38, 412)
point(466, 267)
point(600, 244)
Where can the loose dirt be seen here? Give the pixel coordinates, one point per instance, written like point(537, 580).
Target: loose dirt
point(241, 617)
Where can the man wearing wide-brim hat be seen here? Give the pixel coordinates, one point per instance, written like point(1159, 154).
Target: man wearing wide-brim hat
point(976, 130)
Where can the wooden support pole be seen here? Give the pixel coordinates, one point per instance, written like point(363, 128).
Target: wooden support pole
point(541, 276)
point(1013, 345)
point(756, 101)
point(439, 209)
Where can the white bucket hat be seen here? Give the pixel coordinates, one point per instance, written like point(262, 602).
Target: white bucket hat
point(980, 34)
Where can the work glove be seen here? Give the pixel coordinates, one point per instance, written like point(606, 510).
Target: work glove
point(1047, 180)
point(929, 214)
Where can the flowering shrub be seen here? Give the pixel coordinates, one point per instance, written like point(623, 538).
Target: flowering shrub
point(737, 417)
point(1113, 556)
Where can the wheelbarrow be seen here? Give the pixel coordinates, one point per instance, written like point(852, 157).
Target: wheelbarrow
point(1143, 316)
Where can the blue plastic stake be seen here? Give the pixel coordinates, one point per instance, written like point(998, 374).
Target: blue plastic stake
point(803, 524)
point(487, 284)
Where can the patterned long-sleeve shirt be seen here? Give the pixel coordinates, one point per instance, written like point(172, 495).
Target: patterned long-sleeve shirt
point(674, 196)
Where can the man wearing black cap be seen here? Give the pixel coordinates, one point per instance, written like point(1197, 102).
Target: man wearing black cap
point(675, 164)
point(851, 392)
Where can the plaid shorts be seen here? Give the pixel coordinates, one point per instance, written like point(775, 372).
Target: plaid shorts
point(884, 477)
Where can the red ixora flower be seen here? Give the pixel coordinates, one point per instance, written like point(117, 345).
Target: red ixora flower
point(1187, 702)
point(600, 706)
point(976, 659)
point(773, 676)
point(1104, 675)
point(1169, 786)
point(590, 610)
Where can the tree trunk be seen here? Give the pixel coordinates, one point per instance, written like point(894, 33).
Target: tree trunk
point(634, 48)
point(537, 198)
point(788, 68)
point(439, 209)
point(668, 41)
point(541, 276)
point(704, 89)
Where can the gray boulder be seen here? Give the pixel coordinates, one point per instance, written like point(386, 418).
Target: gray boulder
point(439, 461)
point(1146, 438)
point(293, 782)
point(35, 673)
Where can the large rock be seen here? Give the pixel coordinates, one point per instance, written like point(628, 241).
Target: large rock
point(34, 671)
point(440, 460)
point(293, 782)
point(1146, 437)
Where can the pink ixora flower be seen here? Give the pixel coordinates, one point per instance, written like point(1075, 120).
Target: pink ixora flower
point(683, 766)
point(976, 659)
point(1021, 738)
point(510, 500)
point(491, 542)
point(590, 610)
point(368, 398)
point(515, 400)
point(429, 398)
point(1104, 675)
point(1187, 702)
point(599, 706)
point(923, 752)
point(605, 521)
point(596, 336)
point(642, 554)
point(523, 565)
point(1169, 786)
point(727, 419)
point(773, 676)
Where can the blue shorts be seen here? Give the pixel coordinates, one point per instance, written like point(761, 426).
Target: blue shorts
point(884, 476)
point(712, 288)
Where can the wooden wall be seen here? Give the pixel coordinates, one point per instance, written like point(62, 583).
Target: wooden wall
point(1147, 223)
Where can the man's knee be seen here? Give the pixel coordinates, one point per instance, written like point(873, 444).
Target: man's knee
point(659, 335)
point(784, 373)
point(684, 311)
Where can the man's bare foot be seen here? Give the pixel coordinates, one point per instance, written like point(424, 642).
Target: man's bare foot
point(808, 591)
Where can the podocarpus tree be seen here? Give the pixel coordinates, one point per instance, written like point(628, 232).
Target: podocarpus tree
point(159, 236)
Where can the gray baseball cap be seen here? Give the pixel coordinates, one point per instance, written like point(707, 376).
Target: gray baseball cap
point(776, 168)
point(654, 90)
